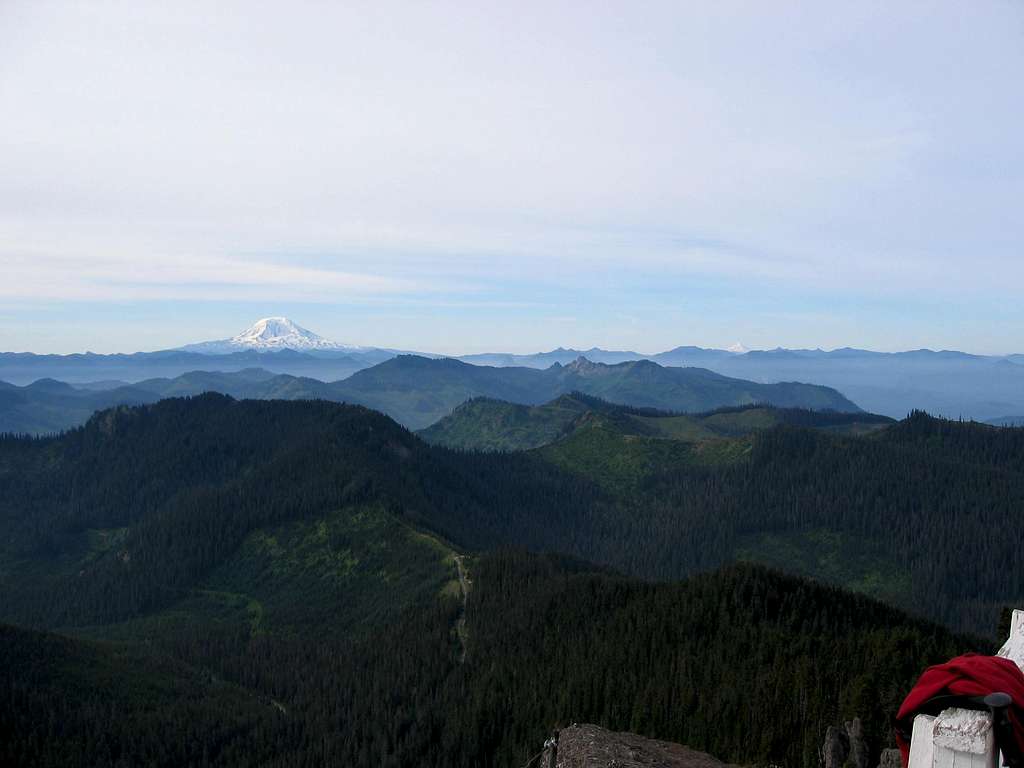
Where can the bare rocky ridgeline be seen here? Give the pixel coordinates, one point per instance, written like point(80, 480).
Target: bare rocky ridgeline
point(588, 746)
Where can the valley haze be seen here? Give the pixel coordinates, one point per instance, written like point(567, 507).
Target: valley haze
point(947, 383)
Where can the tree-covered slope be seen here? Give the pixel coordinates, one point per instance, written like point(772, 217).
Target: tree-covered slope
point(645, 383)
point(305, 553)
point(345, 573)
point(1007, 421)
point(746, 664)
point(488, 424)
point(552, 642)
point(418, 391)
point(915, 514)
point(140, 508)
point(826, 495)
point(69, 702)
point(47, 406)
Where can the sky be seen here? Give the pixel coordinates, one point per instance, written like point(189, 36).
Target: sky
point(466, 177)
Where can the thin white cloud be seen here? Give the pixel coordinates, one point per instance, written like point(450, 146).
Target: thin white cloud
point(107, 278)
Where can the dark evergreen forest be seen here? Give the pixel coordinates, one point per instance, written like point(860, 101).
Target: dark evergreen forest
point(122, 534)
point(926, 506)
point(745, 663)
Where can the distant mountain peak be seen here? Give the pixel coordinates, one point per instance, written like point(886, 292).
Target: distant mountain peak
point(279, 332)
point(737, 348)
point(272, 334)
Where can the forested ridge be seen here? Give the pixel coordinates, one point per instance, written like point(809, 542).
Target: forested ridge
point(299, 556)
point(746, 664)
point(66, 702)
point(915, 513)
point(743, 663)
point(940, 500)
point(178, 485)
point(417, 391)
point(487, 424)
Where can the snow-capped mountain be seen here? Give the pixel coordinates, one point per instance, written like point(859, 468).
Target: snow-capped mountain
point(272, 334)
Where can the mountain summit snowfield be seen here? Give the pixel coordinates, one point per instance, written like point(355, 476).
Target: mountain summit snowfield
point(272, 334)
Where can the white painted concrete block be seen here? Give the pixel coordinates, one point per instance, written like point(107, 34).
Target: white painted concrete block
point(1013, 649)
point(921, 744)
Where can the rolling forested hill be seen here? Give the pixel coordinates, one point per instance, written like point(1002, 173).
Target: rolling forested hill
point(945, 382)
point(487, 424)
point(47, 406)
point(103, 521)
point(315, 555)
point(75, 703)
point(417, 391)
point(133, 511)
point(709, 662)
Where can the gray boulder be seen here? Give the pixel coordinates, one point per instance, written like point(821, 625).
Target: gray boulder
point(836, 749)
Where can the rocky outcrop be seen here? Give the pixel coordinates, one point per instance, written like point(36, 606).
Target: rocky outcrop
point(859, 756)
point(845, 747)
point(588, 746)
point(836, 748)
point(890, 758)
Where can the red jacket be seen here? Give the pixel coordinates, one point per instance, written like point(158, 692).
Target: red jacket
point(969, 676)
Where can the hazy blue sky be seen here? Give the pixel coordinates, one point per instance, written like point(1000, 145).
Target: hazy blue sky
point(513, 176)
